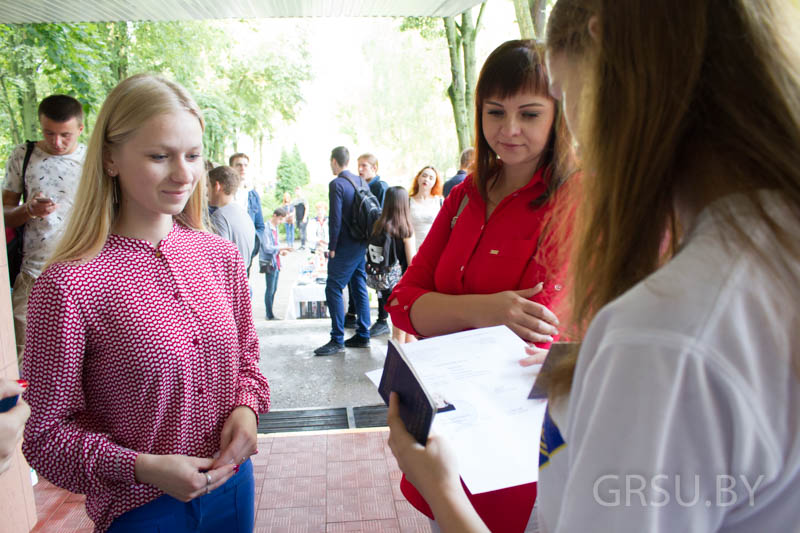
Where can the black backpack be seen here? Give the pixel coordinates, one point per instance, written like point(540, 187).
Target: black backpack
point(382, 265)
point(365, 212)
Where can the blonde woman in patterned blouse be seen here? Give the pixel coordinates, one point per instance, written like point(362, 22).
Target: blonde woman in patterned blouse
point(141, 353)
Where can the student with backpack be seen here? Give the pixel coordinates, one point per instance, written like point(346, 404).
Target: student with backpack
point(390, 249)
point(352, 214)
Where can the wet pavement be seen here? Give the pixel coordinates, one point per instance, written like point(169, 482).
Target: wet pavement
point(298, 378)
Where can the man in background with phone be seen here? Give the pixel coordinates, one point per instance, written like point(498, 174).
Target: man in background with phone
point(46, 190)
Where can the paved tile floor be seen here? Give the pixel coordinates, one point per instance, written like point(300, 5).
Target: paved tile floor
point(328, 482)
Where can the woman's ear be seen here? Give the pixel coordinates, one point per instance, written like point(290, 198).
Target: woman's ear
point(594, 28)
point(108, 164)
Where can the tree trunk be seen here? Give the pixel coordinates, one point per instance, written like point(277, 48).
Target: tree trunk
point(16, 137)
point(29, 104)
point(469, 33)
point(538, 12)
point(524, 11)
point(121, 44)
point(456, 90)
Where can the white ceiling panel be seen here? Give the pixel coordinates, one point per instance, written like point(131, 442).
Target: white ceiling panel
point(21, 11)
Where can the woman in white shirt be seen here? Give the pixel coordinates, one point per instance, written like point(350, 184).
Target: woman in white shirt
point(679, 411)
point(426, 200)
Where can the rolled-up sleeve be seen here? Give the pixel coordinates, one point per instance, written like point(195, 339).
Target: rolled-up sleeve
point(419, 278)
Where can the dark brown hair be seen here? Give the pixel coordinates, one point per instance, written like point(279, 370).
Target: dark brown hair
point(61, 108)
point(225, 176)
point(395, 218)
point(236, 156)
point(513, 67)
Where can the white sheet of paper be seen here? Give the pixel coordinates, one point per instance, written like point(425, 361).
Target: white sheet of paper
point(495, 429)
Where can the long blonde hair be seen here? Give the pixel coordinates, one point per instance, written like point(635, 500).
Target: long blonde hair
point(132, 103)
point(695, 102)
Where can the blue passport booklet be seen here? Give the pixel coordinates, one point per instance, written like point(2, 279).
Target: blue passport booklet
point(417, 407)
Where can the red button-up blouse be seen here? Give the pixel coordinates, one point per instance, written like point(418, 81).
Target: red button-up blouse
point(139, 350)
point(509, 251)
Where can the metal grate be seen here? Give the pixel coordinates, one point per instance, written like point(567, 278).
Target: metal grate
point(368, 416)
point(303, 420)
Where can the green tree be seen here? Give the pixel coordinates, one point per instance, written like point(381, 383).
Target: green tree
point(237, 95)
point(41, 59)
point(292, 173)
point(463, 69)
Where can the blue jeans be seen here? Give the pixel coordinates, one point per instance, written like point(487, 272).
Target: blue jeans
point(347, 266)
point(229, 508)
point(269, 294)
point(289, 234)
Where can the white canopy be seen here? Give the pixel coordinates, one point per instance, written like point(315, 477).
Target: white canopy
point(21, 11)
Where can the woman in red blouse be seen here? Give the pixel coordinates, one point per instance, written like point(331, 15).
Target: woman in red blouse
point(142, 356)
point(492, 255)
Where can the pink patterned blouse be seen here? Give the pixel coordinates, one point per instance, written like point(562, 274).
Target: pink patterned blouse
point(140, 350)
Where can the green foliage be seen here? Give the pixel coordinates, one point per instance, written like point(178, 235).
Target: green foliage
point(292, 173)
point(429, 27)
point(238, 94)
point(461, 48)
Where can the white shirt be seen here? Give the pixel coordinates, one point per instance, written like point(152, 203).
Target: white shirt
point(55, 176)
point(423, 213)
point(684, 387)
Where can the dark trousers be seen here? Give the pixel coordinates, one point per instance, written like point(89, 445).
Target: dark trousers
point(383, 297)
point(269, 294)
point(383, 314)
point(347, 267)
point(302, 227)
point(229, 508)
point(351, 304)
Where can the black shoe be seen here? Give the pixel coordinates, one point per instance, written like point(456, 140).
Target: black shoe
point(350, 321)
point(331, 348)
point(380, 327)
point(357, 341)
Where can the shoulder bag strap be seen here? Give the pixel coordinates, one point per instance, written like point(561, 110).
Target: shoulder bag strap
point(353, 183)
point(28, 152)
point(461, 206)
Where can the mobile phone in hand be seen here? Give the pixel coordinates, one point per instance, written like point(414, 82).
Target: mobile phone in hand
point(44, 200)
point(7, 404)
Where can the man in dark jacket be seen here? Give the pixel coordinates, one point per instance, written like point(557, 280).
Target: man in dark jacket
point(368, 170)
point(347, 258)
point(466, 160)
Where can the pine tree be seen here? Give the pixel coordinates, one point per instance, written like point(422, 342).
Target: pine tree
point(292, 173)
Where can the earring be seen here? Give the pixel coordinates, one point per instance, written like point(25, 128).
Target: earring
point(114, 190)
